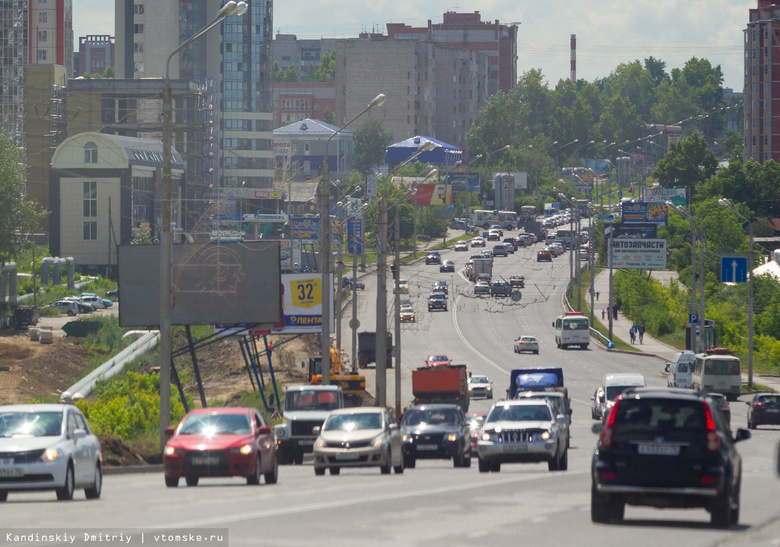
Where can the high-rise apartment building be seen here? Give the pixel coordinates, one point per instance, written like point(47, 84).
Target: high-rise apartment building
point(237, 56)
point(762, 82)
point(289, 50)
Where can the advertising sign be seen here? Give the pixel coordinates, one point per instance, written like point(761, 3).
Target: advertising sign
point(643, 254)
point(302, 304)
point(647, 212)
point(432, 194)
point(355, 236)
point(305, 228)
point(635, 231)
point(662, 195)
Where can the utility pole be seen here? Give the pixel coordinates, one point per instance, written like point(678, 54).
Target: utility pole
point(381, 306)
point(397, 312)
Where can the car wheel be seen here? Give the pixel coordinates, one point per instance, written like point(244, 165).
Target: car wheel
point(252, 479)
point(399, 468)
point(409, 462)
point(319, 471)
point(385, 469)
point(65, 492)
point(192, 481)
point(484, 466)
point(284, 456)
point(71, 313)
point(273, 476)
point(3, 495)
point(563, 463)
point(298, 457)
point(605, 509)
point(536, 352)
point(495, 467)
point(553, 464)
point(467, 458)
point(171, 482)
point(751, 423)
point(720, 511)
point(735, 508)
point(335, 470)
point(93, 492)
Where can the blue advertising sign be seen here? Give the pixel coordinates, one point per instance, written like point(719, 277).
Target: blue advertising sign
point(733, 269)
point(646, 212)
point(355, 236)
point(305, 228)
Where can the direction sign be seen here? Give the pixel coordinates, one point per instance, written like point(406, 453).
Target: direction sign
point(605, 218)
point(733, 269)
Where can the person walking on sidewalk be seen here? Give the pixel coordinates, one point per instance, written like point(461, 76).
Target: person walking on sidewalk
point(597, 295)
point(603, 313)
point(641, 328)
point(632, 334)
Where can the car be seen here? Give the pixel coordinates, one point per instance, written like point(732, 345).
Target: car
point(220, 442)
point(113, 294)
point(526, 343)
point(480, 386)
point(494, 235)
point(510, 243)
point(476, 420)
point(517, 281)
point(93, 300)
point(722, 402)
point(614, 384)
point(440, 286)
point(462, 246)
point(597, 404)
point(482, 287)
point(48, 447)
point(561, 404)
point(359, 437)
point(500, 288)
point(484, 277)
point(544, 255)
point(666, 447)
point(437, 301)
point(403, 286)
point(556, 248)
point(406, 314)
point(500, 250)
point(486, 254)
point(523, 431)
point(83, 307)
point(460, 224)
point(436, 360)
point(477, 242)
point(679, 369)
point(436, 431)
point(763, 409)
point(346, 283)
point(498, 229)
point(433, 257)
point(447, 266)
point(67, 307)
point(583, 253)
point(510, 248)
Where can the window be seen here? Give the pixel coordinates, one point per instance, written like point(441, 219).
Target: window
point(41, 54)
point(138, 47)
point(90, 230)
point(138, 67)
point(138, 9)
point(43, 16)
point(89, 198)
point(41, 35)
point(138, 28)
point(90, 152)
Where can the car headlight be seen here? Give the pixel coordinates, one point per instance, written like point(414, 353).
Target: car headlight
point(452, 437)
point(379, 441)
point(279, 432)
point(469, 388)
point(489, 388)
point(408, 437)
point(245, 449)
point(319, 444)
point(51, 454)
point(489, 436)
point(547, 435)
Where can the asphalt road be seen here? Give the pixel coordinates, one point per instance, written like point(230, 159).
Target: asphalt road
point(435, 504)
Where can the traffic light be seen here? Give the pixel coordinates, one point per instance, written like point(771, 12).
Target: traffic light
point(394, 269)
point(631, 189)
point(506, 185)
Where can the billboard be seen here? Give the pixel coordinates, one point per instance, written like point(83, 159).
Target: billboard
point(210, 283)
point(634, 231)
point(355, 236)
point(662, 195)
point(305, 228)
point(645, 212)
point(644, 254)
point(432, 194)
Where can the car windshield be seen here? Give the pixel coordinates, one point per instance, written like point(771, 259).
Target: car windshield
point(437, 297)
point(438, 358)
point(517, 413)
point(614, 391)
point(575, 324)
point(430, 417)
point(30, 424)
point(311, 400)
point(210, 425)
point(402, 281)
point(673, 418)
point(479, 380)
point(353, 422)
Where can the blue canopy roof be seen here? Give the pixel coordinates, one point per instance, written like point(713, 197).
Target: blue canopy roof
point(444, 154)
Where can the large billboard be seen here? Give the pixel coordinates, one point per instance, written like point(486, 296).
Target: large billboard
point(644, 254)
point(659, 194)
point(305, 228)
point(236, 282)
point(432, 194)
point(645, 212)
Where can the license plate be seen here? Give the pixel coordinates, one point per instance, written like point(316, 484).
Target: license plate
point(12, 472)
point(205, 460)
point(427, 447)
point(773, 409)
point(308, 442)
point(347, 456)
point(658, 450)
point(515, 448)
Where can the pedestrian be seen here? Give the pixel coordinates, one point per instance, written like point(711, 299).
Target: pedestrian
point(597, 295)
point(641, 331)
point(614, 312)
point(632, 334)
point(603, 313)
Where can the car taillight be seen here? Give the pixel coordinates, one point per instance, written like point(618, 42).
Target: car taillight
point(758, 404)
point(608, 475)
point(606, 433)
point(707, 479)
point(713, 440)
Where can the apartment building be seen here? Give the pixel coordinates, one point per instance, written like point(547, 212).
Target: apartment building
point(95, 54)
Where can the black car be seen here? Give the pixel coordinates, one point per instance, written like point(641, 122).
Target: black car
point(544, 254)
point(666, 448)
point(433, 257)
point(440, 286)
point(437, 431)
point(437, 301)
point(346, 283)
point(447, 266)
point(500, 288)
point(764, 409)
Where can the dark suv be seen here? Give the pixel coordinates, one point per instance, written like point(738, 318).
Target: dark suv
point(433, 257)
point(666, 448)
point(437, 301)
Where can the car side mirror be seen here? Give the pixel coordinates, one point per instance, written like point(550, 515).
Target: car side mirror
point(570, 412)
point(553, 325)
point(264, 430)
point(316, 430)
point(596, 428)
point(79, 433)
point(742, 435)
point(169, 430)
point(593, 398)
point(560, 418)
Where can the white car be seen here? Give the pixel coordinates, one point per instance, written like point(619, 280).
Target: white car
point(527, 343)
point(403, 286)
point(462, 246)
point(48, 447)
point(478, 242)
point(480, 386)
point(66, 306)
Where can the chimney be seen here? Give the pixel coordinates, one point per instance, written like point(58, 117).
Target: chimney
point(573, 68)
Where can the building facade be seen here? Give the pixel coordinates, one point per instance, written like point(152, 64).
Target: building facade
point(300, 149)
point(289, 50)
point(762, 83)
point(95, 55)
point(297, 101)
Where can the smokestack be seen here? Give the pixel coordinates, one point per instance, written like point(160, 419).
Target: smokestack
point(573, 68)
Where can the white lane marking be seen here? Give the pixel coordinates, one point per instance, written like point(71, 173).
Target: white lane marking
point(472, 348)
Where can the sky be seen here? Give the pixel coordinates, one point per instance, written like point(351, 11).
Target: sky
point(609, 32)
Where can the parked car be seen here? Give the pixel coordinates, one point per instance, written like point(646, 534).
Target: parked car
point(436, 431)
point(763, 409)
point(526, 343)
point(544, 255)
point(83, 307)
point(482, 287)
point(666, 448)
point(437, 301)
point(67, 307)
point(113, 294)
point(462, 246)
point(93, 300)
point(436, 360)
point(48, 447)
point(433, 257)
point(447, 266)
point(221, 442)
point(359, 437)
point(480, 386)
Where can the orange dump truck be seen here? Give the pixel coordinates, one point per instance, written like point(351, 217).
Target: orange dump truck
point(441, 384)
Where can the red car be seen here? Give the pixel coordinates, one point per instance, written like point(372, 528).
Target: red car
point(221, 442)
point(437, 360)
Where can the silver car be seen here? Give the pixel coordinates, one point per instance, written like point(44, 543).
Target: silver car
point(48, 447)
point(359, 437)
point(523, 431)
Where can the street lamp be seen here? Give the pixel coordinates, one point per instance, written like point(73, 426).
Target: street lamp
point(327, 290)
point(166, 235)
point(727, 204)
point(561, 148)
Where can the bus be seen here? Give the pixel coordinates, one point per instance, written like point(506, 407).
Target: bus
point(572, 329)
point(528, 212)
point(717, 370)
point(486, 219)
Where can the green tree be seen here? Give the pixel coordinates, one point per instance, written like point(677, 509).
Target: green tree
point(371, 142)
point(687, 164)
point(325, 70)
point(634, 83)
point(291, 74)
point(657, 70)
point(277, 72)
point(328, 116)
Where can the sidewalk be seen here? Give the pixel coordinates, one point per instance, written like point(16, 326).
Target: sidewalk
point(650, 345)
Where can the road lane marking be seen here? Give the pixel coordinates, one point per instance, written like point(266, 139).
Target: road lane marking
point(472, 348)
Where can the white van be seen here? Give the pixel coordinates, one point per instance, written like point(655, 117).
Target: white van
point(572, 329)
point(615, 384)
point(680, 369)
point(717, 370)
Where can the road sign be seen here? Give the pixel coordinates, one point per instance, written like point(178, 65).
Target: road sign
point(354, 324)
point(693, 319)
point(605, 218)
point(733, 269)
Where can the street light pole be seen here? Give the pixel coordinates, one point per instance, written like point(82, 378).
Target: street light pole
point(166, 235)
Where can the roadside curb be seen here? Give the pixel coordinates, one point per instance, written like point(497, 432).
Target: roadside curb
point(132, 469)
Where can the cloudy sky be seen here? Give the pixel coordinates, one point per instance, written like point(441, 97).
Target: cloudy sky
point(609, 32)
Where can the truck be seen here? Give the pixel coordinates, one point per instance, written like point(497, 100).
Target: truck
point(441, 384)
point(353, 386)
point(25, 316)
point(305, 407)
point(483, 265)
point(534, 379)
point(367, 349)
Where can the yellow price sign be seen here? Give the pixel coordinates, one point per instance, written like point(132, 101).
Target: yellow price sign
point(306, 293)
